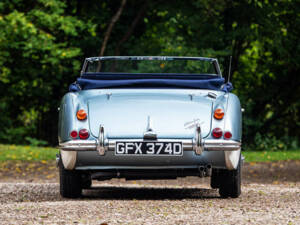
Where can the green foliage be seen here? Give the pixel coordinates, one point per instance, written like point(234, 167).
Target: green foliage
point(14, 134)
point(272, 143)
point(43, 44)
point(35, 142)
point(38, 59)
point(268, 142)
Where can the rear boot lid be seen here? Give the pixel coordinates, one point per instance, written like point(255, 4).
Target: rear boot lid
point(172, 115)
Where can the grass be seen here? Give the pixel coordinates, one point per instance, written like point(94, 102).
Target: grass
point(26, 153)
point(265, 156)
point(31, 153)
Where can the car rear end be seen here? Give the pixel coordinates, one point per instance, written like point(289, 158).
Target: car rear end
point(147, 133)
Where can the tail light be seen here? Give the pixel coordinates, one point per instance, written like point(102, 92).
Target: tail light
point(217, 132)
point(227, 135)
point(81, 114)
point(219, 114)
point(74, 134)
point(84, 134)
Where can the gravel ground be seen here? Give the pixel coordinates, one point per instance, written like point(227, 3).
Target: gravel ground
point(271, 195)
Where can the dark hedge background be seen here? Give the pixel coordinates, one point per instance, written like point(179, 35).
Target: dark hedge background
point(43, 44)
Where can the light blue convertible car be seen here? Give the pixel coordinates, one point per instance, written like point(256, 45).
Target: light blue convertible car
point(143, 117)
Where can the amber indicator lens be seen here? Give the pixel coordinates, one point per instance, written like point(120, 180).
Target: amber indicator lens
point(217, 132)
point(73, 134)
point(81, 114)
point(219, 114)
point(84, 134)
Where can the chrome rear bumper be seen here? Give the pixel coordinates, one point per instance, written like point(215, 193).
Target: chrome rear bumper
point(70, 149)
point(188, 144)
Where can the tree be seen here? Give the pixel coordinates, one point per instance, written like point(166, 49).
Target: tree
point(43, 43)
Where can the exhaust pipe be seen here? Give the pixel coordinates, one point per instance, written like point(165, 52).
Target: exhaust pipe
point(201, 171)
point(208, 170)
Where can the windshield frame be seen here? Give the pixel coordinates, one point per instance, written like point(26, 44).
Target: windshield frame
point(93, 59)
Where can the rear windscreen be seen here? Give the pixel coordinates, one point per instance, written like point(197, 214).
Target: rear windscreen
point(178, 66)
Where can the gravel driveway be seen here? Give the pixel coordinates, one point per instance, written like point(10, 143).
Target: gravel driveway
point(270, 196)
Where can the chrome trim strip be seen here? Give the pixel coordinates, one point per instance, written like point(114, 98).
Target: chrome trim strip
point(78, 145)
point(187, 144)
point(97, 58)
point(83, 67)
point(221, 145)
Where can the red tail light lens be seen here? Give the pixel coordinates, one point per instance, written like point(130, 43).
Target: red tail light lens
point(227, 135)
point(84, 134)
point(74, 134)
point(217, 132)
point(219, 114)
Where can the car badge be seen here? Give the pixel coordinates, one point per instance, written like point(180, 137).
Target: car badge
point(149, 134)
point(193, 123)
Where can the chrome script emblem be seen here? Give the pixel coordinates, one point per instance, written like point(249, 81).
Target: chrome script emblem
point(192, 124)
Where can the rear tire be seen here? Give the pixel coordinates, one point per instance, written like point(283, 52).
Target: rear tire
point(230, 182)
point(70, 182)
point(215, 178)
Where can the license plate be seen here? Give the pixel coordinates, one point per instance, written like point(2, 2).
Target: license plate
point(149, 148)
